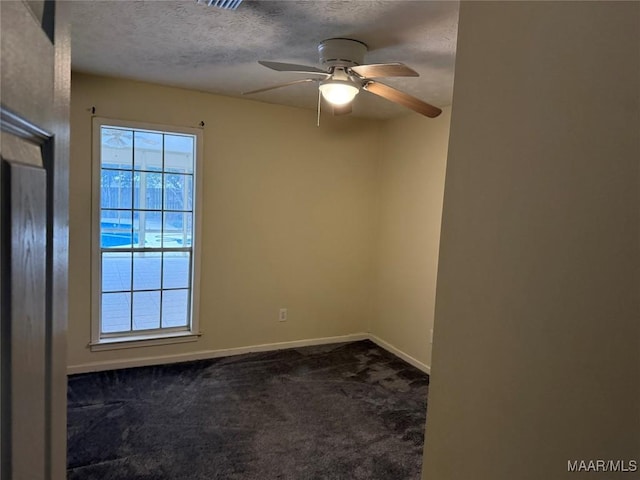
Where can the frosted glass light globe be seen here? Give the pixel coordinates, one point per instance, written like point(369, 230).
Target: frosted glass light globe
point(338, 92)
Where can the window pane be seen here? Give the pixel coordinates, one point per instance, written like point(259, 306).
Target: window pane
point(177, 230)
point(146, 310)
point(115, 189)
point(189, 220)
point(115, 229)
point(146, 201)
point(116, 148)
point(146, 270)
point(147, 229)
point(178, 155)
point(116, 312)
point(175, 269)
point(147, 154)
point(175, 305)
point(189, 185)
point(178, 192)
point(116, 271)
point(148, 191)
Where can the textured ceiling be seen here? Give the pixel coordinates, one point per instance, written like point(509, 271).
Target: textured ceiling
point(191, 45)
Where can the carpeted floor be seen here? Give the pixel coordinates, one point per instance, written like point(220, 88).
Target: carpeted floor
point(346, 411)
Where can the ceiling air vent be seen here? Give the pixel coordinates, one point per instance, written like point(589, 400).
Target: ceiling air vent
point(226, 4)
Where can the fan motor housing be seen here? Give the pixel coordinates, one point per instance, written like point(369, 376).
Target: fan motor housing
point(341, 52)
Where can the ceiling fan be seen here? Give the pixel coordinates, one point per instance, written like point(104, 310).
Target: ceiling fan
point(345, 74)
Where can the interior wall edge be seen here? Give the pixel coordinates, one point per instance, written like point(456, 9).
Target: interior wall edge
point(399, 353)
point(410, 188)
point(207, 354)
point(228, 352)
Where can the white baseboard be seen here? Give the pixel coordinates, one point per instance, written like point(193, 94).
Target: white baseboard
point(207, 354)
point(227, 352)
point(399, 353)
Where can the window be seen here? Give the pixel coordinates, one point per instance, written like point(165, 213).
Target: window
point(145, 232)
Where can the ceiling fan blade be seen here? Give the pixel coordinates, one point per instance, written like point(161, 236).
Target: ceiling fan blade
point(384, 70)
point(402, 98)
point(291, 67)
point(341, 109)
point(280, 85)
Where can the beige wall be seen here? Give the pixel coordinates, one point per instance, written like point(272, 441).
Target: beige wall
point(288, 216)
point(410, 191)
point(536, 353)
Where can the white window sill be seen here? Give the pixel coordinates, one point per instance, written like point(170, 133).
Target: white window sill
point(117, 343)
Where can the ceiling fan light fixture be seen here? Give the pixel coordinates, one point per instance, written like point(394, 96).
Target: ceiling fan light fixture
point(338, 92)
point(345, 73)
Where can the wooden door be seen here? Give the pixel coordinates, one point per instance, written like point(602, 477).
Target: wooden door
point(35, 82)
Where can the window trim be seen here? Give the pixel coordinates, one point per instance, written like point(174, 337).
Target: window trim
point(156, 336)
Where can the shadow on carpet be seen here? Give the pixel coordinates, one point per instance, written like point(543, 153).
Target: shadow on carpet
point(346, 412)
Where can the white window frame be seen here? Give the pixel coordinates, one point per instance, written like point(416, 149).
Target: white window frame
point(158, 336)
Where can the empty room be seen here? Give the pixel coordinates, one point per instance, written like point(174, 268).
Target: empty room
point(377, 240)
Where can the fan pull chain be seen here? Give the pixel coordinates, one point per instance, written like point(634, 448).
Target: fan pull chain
point(319, 102)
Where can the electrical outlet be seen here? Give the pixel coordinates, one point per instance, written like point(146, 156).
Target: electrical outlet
point(283, 315)
point(431, 336)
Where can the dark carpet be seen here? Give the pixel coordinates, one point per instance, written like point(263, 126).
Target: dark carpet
point(346, 411)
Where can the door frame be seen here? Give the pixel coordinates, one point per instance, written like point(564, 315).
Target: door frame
point(54, 20)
